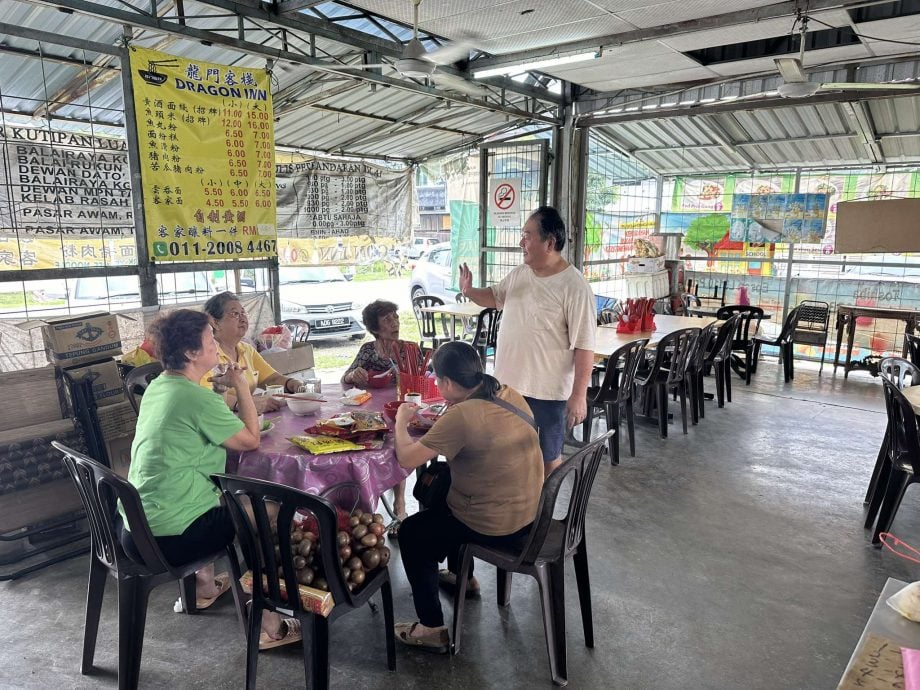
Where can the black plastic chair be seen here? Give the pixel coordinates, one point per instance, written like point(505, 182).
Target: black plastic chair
point(258, 541)
point(101, 489)
point(616, 391)
point(428, 323)
point(668, 372)
point(912, 345)
point(902, 374)
point(550, 543)
point(785, 344)
point(812, 326)
point(901, 466)
point(300, 331)
point(716, 294)
point(696, 368)
point(137, 380)
point(484, 328)
point(719, 359)
point(690, 302)
point(747, 329)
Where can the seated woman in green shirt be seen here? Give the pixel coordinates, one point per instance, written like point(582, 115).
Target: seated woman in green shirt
point(183, 433)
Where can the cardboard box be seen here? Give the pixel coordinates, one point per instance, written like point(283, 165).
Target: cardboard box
point(118, 419)
point(292, 361)
point(119, 452)
point(72, 340)
point(108, 388)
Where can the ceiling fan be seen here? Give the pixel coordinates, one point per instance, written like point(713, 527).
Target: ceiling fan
point(418, 63)
point(796, 85)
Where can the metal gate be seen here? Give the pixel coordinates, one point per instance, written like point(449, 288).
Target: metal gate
point(499, 251)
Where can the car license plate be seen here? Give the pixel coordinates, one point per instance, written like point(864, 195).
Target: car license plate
point(326, 323)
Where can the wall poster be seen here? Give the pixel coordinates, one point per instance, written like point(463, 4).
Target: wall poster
point(63, 185)
point(206, 143)
point(327, 198)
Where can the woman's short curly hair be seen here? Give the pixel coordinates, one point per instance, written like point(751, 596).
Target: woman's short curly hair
point(375, 311)
point(177, 333)
point(217, 305)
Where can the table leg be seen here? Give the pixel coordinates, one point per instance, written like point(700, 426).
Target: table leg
point(841, 320)
point(851, 333)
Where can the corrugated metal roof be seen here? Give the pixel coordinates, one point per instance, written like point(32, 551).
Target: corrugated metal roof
point(325, 112)
point(794, 136)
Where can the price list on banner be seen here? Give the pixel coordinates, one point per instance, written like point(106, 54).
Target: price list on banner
point(206, 141)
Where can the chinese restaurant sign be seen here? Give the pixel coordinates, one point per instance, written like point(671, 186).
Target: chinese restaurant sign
point(206, 145)
point(329, 198)
point(63, 185)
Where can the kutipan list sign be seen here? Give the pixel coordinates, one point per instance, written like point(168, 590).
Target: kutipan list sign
point(206, 143)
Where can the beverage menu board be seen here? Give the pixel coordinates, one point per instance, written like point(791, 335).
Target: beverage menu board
point(206, 141)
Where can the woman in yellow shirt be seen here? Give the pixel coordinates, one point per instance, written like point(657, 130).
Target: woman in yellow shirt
point(230, 326)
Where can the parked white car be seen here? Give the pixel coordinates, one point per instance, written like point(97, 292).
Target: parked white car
point(432, 274)
point(322, 296)
point(419, 245)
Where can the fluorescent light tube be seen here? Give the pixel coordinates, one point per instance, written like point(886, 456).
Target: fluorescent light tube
point(511, 70)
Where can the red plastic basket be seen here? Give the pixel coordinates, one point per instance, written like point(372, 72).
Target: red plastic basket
point(410, 383)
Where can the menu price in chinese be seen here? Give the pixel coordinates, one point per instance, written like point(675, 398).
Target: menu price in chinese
point(206, 136)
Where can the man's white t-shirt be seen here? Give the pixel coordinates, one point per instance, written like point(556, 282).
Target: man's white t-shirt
point(543, 321)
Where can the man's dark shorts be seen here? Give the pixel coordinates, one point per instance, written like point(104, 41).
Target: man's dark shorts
point(550, 418)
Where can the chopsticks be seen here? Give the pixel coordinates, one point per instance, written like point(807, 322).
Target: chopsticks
point(297, 397)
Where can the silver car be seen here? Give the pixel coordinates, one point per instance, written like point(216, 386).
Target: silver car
point(323, 297)
point(432, 274)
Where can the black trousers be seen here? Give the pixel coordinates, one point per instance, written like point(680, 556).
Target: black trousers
point(426, 539)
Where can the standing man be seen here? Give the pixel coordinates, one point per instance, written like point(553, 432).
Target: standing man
point(546, 338)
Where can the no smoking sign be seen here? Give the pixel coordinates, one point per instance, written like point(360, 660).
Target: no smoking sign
point(505, 202)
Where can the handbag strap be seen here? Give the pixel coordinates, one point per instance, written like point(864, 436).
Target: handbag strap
point(511, 408)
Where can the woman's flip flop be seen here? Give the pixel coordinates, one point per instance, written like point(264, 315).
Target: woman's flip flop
point(223, 584)
point(291, 634)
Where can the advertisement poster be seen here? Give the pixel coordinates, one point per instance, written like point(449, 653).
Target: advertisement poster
point(63, 185)
point(323, 198)
point(778, 217)
point(206, 139)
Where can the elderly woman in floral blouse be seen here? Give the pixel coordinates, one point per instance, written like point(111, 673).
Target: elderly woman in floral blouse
point(381, 318)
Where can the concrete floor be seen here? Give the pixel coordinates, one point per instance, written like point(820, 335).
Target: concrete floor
point(733, 557)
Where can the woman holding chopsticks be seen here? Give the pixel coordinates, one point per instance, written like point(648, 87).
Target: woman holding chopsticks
point(376, 358)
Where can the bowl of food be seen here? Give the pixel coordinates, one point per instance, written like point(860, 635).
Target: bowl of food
point(389, 409)
point(265, 427)
point(381, 379)
point(303, 404)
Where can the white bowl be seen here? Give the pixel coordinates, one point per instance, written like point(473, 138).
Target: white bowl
point(303, 404)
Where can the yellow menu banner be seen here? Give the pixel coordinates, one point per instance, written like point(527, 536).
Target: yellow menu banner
point(206, 142)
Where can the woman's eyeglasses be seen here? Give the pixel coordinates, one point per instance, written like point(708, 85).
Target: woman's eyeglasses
point(236, 315)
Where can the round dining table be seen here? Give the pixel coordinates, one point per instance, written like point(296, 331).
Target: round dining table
point(278, 460)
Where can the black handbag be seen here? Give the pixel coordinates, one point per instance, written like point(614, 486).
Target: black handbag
point(433, 481)
point(432, 485)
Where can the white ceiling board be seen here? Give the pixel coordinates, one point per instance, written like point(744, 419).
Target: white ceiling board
point(658, 13)
point(813, 60)
point(615, 82)
point(506, 20)
point(624, 62)
point(401, 10)
point(752, 31)
point(552, 35)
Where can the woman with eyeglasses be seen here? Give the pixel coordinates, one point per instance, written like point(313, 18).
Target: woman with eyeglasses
point(230, 326)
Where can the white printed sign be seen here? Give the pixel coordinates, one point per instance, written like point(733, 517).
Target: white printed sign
point(505, 202)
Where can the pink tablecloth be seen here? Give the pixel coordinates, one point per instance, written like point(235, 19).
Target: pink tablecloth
point(278, 460)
